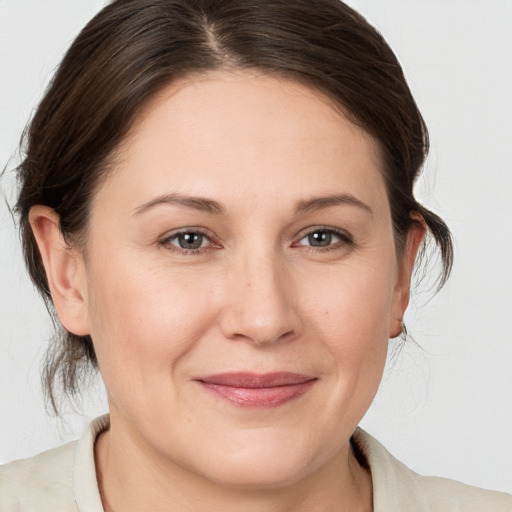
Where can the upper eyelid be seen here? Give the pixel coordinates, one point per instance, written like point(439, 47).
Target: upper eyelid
point(338, 231)
point(345, 239)
point(176, 232)
point(166, 239)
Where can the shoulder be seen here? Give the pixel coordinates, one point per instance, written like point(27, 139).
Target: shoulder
point(59, 480)
point(397, 488)
point(442, 494)
point(42, 483)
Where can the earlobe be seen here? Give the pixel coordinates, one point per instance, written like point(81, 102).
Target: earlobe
point(405, 268)
point(64, 270)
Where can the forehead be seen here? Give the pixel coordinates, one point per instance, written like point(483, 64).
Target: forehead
point(244, 136)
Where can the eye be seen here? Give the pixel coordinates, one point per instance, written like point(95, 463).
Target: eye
point(187, 241)
point(325, 238)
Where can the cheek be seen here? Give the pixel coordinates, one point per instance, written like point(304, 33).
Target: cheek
point(352, 307)
point(350, 311)
point(144, 324)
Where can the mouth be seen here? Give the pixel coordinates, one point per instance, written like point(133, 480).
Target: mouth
point(257, 390)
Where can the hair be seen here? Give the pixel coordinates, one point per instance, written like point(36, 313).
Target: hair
point(133, 48)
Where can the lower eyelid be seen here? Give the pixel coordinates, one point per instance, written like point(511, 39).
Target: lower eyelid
point(342, 236)
point(171, 243)
point(171, 240)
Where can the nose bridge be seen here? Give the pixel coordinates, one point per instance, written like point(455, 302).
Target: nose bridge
point(261, 299)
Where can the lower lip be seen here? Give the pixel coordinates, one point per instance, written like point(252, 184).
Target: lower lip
point(259, 397)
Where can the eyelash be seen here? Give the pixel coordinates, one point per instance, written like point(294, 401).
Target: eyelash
point(345, 240)
point(166, 242)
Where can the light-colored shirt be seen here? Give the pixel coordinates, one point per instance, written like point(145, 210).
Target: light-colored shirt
point(64, 480)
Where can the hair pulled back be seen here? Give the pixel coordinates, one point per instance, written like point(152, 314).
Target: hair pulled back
point(134, 48)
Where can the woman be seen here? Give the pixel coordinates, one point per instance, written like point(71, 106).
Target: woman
point(217, 200)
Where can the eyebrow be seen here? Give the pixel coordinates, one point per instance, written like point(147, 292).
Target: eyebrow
point(197, 203)
point(210, 206)
point(319, 203)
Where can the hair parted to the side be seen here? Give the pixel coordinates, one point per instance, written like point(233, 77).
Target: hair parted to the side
point(134, 48)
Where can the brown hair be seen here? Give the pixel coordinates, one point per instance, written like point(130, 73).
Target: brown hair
point(133, 48)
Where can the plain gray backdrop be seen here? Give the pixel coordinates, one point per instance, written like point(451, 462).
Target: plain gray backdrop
point(445, 405)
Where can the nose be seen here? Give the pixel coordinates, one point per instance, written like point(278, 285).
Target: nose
point(260, 308)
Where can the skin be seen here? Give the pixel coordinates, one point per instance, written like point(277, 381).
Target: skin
point(256, 297)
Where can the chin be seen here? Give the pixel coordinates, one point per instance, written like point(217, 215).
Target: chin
point(257, 476)
point(265, 464)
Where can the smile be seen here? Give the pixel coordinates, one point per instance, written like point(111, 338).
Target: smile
point(257, 390)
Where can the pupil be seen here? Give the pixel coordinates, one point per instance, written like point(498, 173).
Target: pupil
point(320, 238)
point(190, 240)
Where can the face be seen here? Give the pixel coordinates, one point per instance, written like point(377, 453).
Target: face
point(240, 280)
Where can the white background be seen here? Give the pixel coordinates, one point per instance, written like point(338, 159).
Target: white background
point(445, 405)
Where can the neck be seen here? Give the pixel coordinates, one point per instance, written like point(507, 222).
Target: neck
point(131, 478)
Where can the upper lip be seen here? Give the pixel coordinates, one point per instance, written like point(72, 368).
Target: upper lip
point(255, 380)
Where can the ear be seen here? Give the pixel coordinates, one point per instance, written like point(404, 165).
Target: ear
point(402, 290)
point(64, 268)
